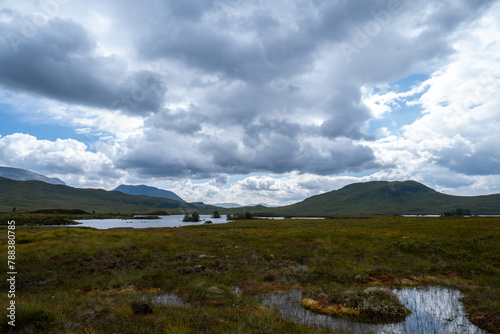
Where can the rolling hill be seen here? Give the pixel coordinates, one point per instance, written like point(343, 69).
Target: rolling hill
point(378, 197)
point(37, 195)
point(26, 175)
point(148, 191)
point(382, 197)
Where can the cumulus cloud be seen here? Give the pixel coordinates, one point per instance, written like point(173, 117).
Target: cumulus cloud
point(261, 147)
point(61, 158)
point(60, 61)
point(293, 92)
point(264, 189)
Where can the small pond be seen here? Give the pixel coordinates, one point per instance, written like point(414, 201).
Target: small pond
point(435, 310)
point(163, 221)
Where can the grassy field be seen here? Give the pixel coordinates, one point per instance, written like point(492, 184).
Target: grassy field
point(80, 280)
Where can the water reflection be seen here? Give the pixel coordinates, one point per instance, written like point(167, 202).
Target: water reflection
point(168, 299)
point(434, 310)
point(163, 221)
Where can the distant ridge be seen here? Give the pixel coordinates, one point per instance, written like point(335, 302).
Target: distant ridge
point(228, 205)
point(148, 191)
point(37, 195)
point(26, 175)
point(378, 197)
point(394, 198)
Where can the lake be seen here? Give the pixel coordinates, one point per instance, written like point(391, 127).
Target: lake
point(163, 221)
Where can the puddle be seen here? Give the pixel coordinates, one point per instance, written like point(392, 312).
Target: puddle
point(435, 310)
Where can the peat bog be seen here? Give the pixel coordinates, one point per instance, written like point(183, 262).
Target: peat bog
point(213, 277)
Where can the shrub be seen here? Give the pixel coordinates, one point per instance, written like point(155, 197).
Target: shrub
point(194, 217)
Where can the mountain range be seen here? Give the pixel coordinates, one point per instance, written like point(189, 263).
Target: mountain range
point(228, 205)
point(148, 191)
point(377, 197)
point(38, 195)
point(25, 175)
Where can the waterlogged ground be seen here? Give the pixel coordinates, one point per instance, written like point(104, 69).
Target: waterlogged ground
point(210, 278)
point(434, 310)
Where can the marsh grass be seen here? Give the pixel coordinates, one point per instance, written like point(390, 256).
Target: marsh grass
point(69, 276)
point(371, 305)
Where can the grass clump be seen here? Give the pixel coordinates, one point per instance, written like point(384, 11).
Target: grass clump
point(483, 307)
point(371, 305)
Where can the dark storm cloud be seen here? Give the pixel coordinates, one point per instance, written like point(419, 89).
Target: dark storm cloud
point(164, 157)
point(258, 56)
point(266, 145)
point(181, 121)
point(254, 47)
point(275, 71)
point(482, 158)
point(59, 61)
point(243, 103)
point(347, 115)
point(278, 146)
point(260, 132)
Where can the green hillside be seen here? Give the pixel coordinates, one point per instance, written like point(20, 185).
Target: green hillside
point(37, 195)
point(381, 197)
point(378, 197)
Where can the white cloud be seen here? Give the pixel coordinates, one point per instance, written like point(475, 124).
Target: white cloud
point(266, 189)
point(60, 158)
point(258, 92)
point(451, 146)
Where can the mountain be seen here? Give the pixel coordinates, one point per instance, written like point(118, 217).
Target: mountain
point(228, 205)
point(37, 195)
point(148, 191)
point(25, 175)
point(382, 197)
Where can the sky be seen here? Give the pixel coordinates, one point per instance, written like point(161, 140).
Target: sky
point(252, 101)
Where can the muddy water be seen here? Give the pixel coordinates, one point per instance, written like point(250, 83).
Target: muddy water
point(435, 310)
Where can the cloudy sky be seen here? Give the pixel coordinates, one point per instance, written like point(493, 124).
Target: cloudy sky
point(252, 101)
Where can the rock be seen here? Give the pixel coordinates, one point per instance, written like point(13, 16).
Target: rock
point(202, 256)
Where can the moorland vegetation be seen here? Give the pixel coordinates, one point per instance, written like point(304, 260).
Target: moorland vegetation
point(82, 280)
